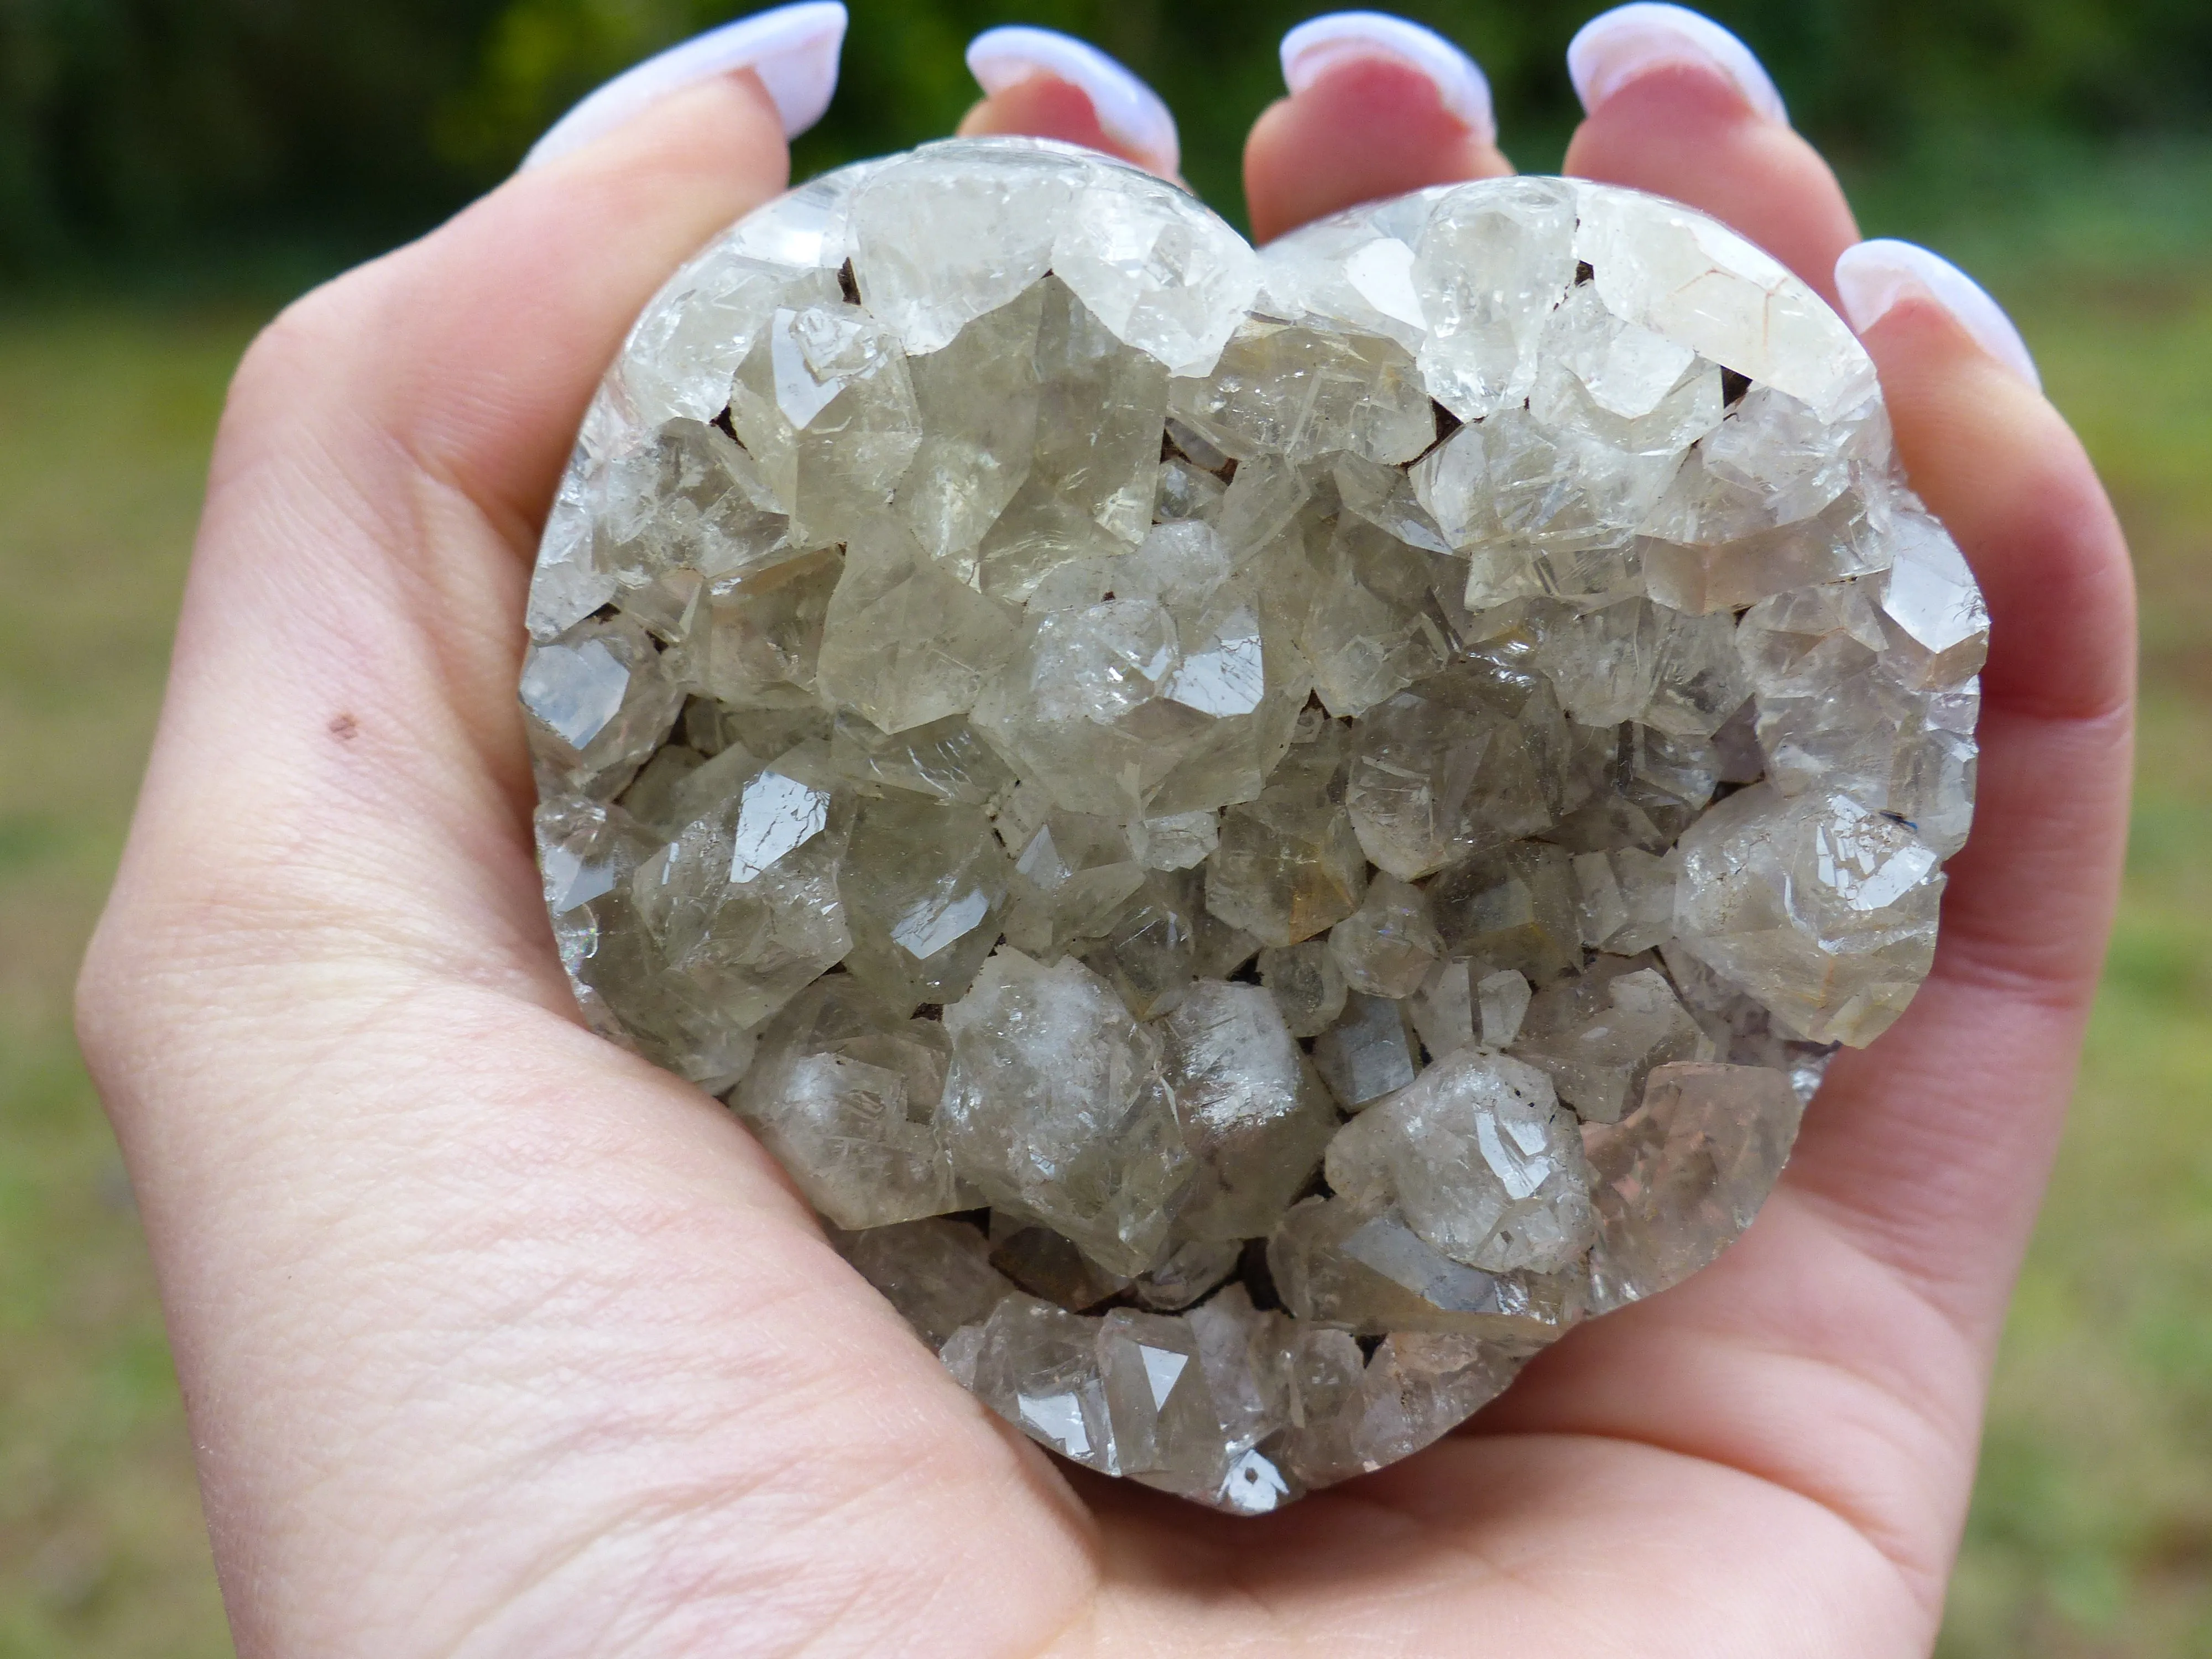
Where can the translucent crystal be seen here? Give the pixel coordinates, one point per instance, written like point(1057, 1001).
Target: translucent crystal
point(937, 1273)
point(1515, 907)
point(1441, 771)
point(761, 644)
point(1481, 1161)
point(1373, 627)
point(601, 700)
point(1387, 947)
point(746, 908)
point(1368, 1053)
point(1069, 883)
point(1492, 266)
point(1157, 269)
point(1338, 1263)
point(824, 403)
point(949, 235)
point(1677, 1181)
point(1502, 999)
point(1056, 1106)
point(1904, 749)
point(1418, 1388)
point(944, 759)
point(903, 643)
point(1626, 900)
point(1044, 1264)
point(1036, 1365)
point(1303, 394)
point(1307, 985)
point(1046, 711)
point(844, 1092)
point(1254, 1114)
point(1821, 910)
point(925, 887)
point(1148, 949)
point(1599, 1035)
point(1672, 270)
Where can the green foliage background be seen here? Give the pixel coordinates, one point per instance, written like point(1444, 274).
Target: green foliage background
point(219, 126)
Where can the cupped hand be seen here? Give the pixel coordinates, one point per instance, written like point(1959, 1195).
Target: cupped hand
point(497, 1340)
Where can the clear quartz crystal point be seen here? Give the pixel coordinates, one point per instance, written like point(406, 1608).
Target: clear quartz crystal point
point(1261, 833)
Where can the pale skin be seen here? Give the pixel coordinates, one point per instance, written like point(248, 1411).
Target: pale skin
point(497, 1340)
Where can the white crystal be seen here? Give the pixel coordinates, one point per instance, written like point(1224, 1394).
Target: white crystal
point(1056, 1106)
point(1481, 1160)
point(988, 607)
point(1676, 1182)
point(1822, 911)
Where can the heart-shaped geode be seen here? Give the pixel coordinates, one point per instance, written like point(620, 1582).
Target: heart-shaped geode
point(1261, 833)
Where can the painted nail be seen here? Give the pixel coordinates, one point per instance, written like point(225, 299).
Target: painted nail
point(1311, 50)
point(1628, 42)
point(1129, 112)
point(1874, 277)
point(793, 50)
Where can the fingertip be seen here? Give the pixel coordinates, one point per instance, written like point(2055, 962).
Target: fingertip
point(1040, 83)
point(1310, 51)
point(1620, 46)
point(793, 54)
point(1377, 107)
point(1874, 277)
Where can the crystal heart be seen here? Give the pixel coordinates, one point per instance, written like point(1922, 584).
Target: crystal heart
point(1261, 833)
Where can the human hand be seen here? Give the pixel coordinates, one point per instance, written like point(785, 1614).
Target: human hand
point(495, 1339)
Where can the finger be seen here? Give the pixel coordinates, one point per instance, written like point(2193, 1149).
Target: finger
point(1377, 106)
point(1934, 1144)
point(1039, 83)
point(1679, 106)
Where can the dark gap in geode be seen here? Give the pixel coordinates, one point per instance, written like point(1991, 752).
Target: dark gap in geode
point(1733, 387)
point(1584, 272)
point(727, 425)
point(1369, 1344)
point(930, 1010)
point(1228, 471)
point(1259, 1281)
point(848, 284)
point(979, 1219)
point(1247, 975)
point(607, 612)
point(1447, 422)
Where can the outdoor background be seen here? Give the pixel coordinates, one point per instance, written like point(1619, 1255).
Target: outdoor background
point(171, 171)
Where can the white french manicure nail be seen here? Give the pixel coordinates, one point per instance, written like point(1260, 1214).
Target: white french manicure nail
point(1874, 277)
point(1622, 45)
point(793, 50)
point(1129, 112)
point(1311, 50)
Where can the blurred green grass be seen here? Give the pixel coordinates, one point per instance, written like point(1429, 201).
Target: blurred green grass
point(2091, 1535)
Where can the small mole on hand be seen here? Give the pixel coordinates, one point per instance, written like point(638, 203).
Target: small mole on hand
point(345, 728)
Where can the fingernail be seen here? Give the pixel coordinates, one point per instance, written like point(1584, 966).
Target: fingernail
point(1129, 112)
point(1311, 50)
point(1628, 42)
point(793, 50)
point(1874, 277)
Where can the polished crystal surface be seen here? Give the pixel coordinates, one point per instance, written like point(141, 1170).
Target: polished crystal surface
point(1261, 834)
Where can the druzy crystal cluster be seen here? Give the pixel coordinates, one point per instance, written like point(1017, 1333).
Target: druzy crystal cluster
point(1260, 834)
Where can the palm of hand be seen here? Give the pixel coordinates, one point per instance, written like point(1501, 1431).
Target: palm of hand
point(497, 1339)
